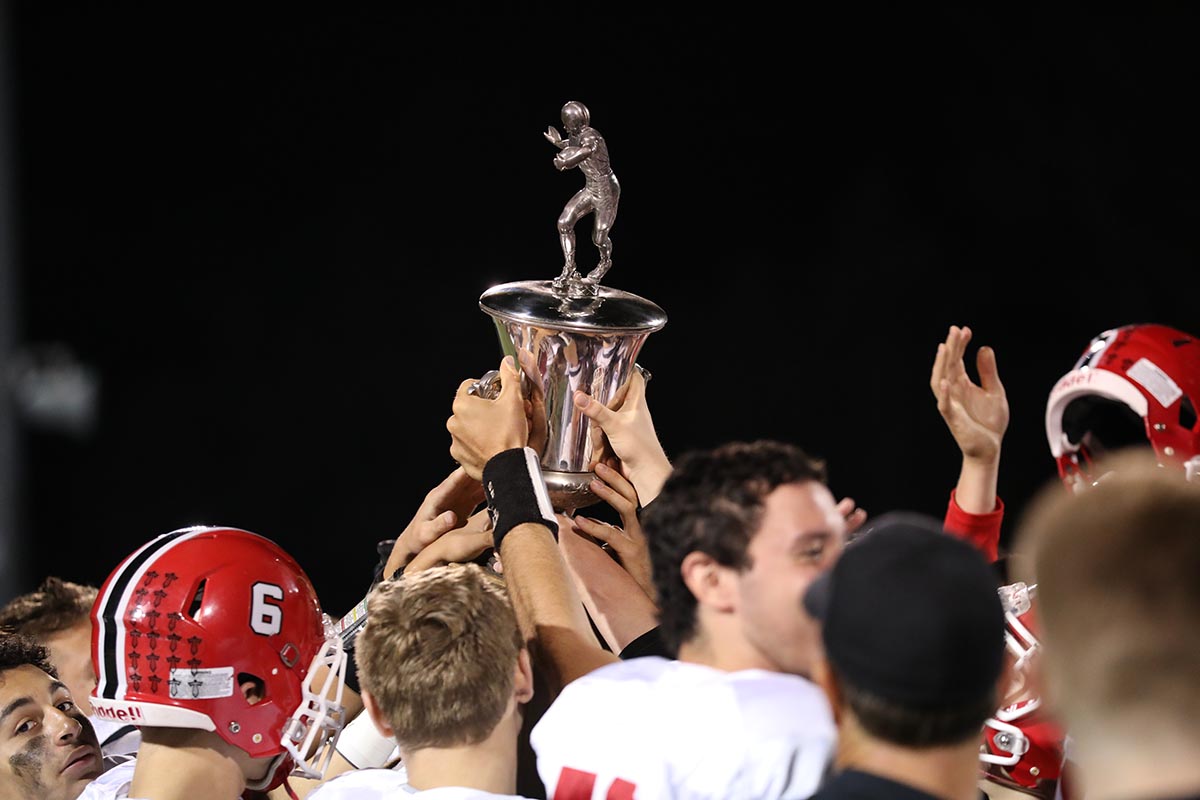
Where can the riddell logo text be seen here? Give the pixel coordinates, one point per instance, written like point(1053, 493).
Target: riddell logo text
point(119, 714)
point(1074, 380)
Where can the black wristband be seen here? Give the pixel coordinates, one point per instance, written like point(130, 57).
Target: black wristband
point(516, 493)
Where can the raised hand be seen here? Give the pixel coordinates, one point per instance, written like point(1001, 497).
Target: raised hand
point(976, 414)
point(535, 403)
point(455, 546)
point(481, 428)
point(627, 541)
point(446, 507)
point(852, 514)
point(627, 432)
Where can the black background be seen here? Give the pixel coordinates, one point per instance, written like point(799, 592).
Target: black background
point(267, 227)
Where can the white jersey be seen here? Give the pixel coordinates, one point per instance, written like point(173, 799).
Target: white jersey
point(651, 728)
point(390, 784)
point(116, 738)
point(112, 784)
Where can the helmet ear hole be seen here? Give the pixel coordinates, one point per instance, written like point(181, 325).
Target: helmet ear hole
point(1187, 413)
point(254, 688)
point(197, 600)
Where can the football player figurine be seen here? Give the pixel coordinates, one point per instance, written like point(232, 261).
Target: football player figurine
point(212, 641)
point(585, 148)
point(1132, 386)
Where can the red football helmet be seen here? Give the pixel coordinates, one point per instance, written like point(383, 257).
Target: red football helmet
point(1137, 384)
point(1022, 749)
point(190, 616)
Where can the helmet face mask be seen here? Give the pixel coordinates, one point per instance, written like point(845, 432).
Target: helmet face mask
point(1022, 749)
point(318, 720)
point(192, 617)
point(1136, 385)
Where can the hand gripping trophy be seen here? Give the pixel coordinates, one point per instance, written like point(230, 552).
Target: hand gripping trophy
point(572, 333)
point(585, 148)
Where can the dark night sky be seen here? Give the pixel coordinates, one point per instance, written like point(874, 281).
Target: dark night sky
point(268, 231)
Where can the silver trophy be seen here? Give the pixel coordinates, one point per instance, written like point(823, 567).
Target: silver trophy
point(572, 333)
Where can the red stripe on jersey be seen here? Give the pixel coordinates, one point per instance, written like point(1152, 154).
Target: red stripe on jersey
point(575, 784)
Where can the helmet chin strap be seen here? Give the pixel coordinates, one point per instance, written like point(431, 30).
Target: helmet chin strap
point(275, 775)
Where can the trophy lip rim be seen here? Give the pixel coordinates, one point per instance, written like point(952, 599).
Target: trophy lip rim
point(657, 318)
point(569, 326)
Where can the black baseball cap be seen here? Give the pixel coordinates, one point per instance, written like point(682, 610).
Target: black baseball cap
point(911, 614)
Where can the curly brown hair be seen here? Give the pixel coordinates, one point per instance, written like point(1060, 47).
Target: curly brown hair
point(19, 651)
point(54, 606)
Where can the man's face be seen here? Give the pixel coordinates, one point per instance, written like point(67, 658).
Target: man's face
point(801, 536)
point(71, 655)
point(48, 750)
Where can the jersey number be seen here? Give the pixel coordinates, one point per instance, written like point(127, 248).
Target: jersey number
point(265, 618)
point(575, 784)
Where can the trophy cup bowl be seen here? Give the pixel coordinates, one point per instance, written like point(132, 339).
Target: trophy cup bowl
point(565, 343)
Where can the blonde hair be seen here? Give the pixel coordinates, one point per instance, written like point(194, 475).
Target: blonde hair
point(1118, 574)
point(438, 654)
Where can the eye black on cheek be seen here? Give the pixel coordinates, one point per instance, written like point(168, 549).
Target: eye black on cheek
point(27, 764)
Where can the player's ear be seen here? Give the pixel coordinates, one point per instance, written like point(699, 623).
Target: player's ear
point(377, 716)
point(253, 688)
point(712, 584)
point(523, 684)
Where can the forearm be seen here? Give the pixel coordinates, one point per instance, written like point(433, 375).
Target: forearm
point(547, 606)
point(622, 619)
point(976, 490)
point(648, 479)
point(619, 608)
